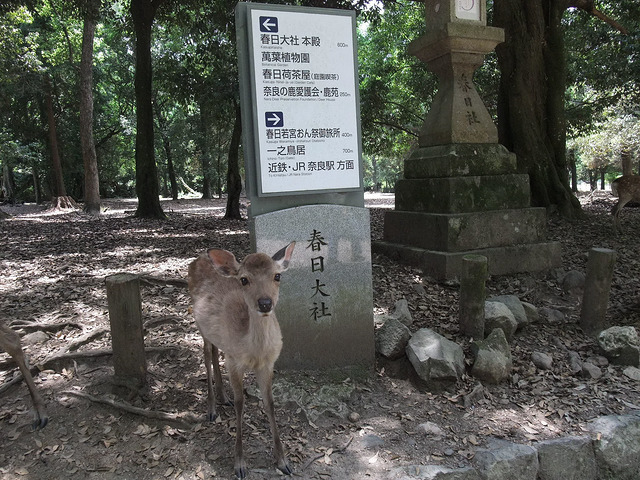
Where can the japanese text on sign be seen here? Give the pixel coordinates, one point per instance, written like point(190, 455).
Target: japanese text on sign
point(304, 83)
point(320, 298)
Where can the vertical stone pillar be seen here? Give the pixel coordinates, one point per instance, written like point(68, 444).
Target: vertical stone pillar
point(596, 290)
point(127, 337)
point(472, 295)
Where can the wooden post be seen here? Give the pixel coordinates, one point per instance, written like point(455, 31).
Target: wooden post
point(472, 295)
point(597, 286)
point(127, 336)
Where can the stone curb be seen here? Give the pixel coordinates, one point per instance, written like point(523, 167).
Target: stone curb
point(610, 452)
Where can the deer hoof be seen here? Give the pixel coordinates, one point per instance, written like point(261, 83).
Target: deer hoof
point(40, 422)
point(285, 468)
point(211, 416)
point(241, 471)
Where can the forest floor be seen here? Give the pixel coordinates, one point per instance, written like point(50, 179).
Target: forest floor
point(52, 271)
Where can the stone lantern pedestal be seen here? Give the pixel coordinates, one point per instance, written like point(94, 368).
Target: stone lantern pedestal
point(461, 192)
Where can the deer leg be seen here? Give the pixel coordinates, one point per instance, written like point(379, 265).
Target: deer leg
point(220, 393)
point(264, 377)
point(236, 377)
point(10, 342)
point(616, 214)
point(41, 417)
point(208, 361)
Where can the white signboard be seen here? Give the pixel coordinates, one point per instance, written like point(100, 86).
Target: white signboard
point(305, 101)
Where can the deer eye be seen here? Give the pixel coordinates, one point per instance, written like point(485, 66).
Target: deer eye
point(244, 281)
point(276, 277)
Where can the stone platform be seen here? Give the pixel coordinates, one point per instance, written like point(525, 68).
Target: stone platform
point(464, 199)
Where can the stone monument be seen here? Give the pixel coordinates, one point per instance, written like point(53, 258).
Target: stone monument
point(461, 192)
point(300, 111)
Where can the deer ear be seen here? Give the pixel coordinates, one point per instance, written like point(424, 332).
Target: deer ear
point(224, 262)
point(283, 256)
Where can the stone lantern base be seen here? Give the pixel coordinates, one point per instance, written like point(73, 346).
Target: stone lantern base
point(459, 199)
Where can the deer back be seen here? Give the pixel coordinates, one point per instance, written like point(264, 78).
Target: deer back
point(627, 188)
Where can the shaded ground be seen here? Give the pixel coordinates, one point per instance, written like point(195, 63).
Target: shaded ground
point(52, 270)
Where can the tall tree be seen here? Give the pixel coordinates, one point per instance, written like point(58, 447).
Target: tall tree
point(89, 158)
point(143, 13)
point(60, 198)
point(234, 181)
point(531, 110)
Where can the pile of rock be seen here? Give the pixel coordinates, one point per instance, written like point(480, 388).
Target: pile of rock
point(611, 451)
point(440, 362)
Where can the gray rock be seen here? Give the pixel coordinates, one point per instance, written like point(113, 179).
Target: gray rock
point(599, 361)
point(402, 313)
point(570, 458)
point(431, 429)
point(435, 472)
point(575, 362)
point(437, 360)
point(498, 315)
point(514, 304)
point(34, 338)
point(532, 312)
point(621, 345)
point(551, 315)
point(633, 373)
point(589, 370)
point(507, 461)
point(573, 282)
point(493, 361)
point(617, 446)
point(392, 338)
point(542, 360)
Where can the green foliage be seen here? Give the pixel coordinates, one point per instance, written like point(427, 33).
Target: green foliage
point(196, 88)
point(395, 88)
point(603, 96)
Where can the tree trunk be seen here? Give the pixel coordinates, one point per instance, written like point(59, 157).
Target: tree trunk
point(574, 171)
point(204, 149)
point(234, 181)
point(37, 188)
point(8, 183)
point(147, 187)
point(59, 188)
point(166, 145)
point(90, 160)
point(625, 158)
point(531, 119)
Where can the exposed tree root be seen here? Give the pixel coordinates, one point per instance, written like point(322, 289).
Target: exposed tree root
point(63, 203)
point(44, 327)
point(59, 360)
point(184, 420)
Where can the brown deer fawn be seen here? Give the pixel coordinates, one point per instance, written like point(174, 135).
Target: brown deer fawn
point(233, 305)
point(627, 189)
point(10, 343)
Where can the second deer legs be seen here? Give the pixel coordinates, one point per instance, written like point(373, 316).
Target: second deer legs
point(214, 379)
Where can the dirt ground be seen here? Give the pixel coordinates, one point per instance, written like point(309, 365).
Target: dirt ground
point(52, 270)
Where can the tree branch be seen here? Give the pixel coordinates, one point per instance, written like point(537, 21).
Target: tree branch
point(399, 127)
point(589, 7)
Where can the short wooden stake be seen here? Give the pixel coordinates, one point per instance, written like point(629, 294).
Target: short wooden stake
point(597, 287)
point(472, 295)
point(127, 336)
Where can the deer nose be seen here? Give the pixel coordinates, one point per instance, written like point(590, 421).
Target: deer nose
point(265, 304)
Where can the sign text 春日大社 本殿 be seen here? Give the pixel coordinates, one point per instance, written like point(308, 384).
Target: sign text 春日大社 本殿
point(306, 112)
